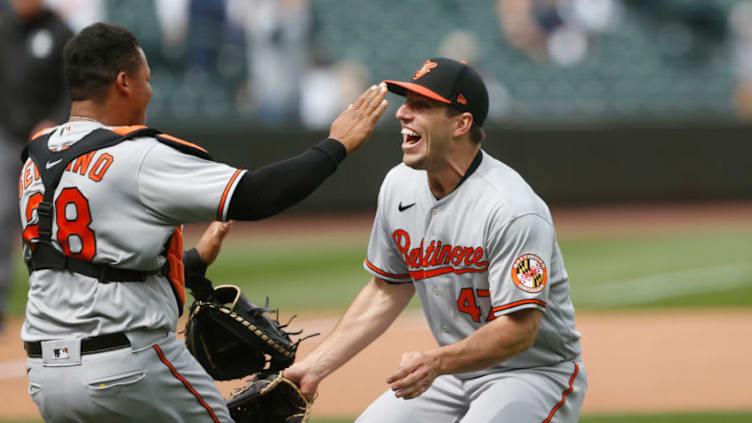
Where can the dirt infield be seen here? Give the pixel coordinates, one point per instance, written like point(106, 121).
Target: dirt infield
point(638, 361)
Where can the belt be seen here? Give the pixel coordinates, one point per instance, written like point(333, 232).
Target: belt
point(95, 344)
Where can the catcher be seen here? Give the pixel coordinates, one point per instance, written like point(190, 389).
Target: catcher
point(233, 338)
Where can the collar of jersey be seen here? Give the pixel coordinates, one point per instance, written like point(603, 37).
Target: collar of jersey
point(470, 170)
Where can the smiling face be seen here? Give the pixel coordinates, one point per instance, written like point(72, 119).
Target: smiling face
point(426, 132)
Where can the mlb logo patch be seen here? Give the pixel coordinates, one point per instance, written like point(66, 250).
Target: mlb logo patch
point(61, 353)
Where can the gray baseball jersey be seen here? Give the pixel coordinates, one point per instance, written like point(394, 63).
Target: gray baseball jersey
point(485, 250)
point(119, 206)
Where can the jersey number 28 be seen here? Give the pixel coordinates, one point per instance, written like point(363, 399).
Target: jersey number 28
point(73, 218)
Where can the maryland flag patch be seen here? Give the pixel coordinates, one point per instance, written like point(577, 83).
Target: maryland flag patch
point(529, 273)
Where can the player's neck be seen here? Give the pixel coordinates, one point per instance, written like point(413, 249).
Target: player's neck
point(102, 113)
point(444, 179)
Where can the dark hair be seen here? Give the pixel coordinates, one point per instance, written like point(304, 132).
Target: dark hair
point(95, 56)
point(477, 134)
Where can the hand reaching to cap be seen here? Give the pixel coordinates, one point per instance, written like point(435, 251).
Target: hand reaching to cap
point(354, 125)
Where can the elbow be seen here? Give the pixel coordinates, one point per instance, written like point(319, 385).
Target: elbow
point(528, 331)
point(528, 340)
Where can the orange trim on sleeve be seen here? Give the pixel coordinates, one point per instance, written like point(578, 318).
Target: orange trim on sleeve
point(519, 303)
point(184, 142)
point(125, 130)
point(383, 273)
point(564, 394)
point(186, 383)
point(221, 210)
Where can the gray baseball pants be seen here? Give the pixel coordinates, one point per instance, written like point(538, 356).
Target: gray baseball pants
point(154, 380)
point(539, 395)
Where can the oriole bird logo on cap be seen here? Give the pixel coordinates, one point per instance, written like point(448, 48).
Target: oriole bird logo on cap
point(427, 66)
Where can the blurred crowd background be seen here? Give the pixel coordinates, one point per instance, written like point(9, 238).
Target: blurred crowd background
point(299, 62)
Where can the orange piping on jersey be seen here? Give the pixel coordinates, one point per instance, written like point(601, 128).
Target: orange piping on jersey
point(519, 303)
point(184, 142)
point(125, 130)
point(564, 394)
point(185, 383)
point(175, 260)
point(221, 210)
point(40, 133)
point(425, 274)
point(383, 273)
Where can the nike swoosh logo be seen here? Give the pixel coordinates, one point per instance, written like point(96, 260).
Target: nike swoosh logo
point(403, 208)
point(50, 165)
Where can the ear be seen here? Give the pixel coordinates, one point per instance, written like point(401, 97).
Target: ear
point(463, 124)
point(123, 83)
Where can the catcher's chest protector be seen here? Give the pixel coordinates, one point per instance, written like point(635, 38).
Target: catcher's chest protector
point(50, 166)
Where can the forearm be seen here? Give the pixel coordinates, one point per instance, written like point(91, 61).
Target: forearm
point(369, 315)
point(493, 343)
point(277, 186)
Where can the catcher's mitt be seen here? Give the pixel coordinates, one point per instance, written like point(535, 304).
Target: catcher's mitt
point(232, 338)
point(269, 398)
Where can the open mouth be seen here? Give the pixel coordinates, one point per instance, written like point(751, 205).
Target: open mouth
point(410, 137)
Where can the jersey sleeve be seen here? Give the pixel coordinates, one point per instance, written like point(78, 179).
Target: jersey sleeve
point(520, 254)
point(182, 188)
point(383, 259)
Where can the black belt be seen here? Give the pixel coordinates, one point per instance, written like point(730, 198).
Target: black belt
point(95, 344)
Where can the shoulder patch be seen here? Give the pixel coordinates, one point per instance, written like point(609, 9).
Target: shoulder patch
point(529, 273)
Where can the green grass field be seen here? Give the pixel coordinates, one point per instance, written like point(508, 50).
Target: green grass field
point(696, 267)
point(692, 268)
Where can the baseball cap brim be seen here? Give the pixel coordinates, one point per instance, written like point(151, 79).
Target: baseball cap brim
point(401, 88)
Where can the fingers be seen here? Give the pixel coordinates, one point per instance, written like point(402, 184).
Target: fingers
point(413, 385)
point(414, 390)
point(378, 97)
point(365, 98)
point(401, 374)
point(376, 115)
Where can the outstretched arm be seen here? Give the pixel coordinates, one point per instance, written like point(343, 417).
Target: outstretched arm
point(374, 309)
point(275, 187)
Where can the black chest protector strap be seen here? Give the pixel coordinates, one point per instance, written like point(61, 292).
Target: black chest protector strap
point(51, 165)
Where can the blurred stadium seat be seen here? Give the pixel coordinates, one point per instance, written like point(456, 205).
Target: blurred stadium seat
point(659, 60)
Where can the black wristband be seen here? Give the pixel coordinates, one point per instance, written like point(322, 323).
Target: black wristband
point(193, 264)
point(195, 279)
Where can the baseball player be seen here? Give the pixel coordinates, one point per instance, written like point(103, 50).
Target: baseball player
point(102, 199)
point(478, 245)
